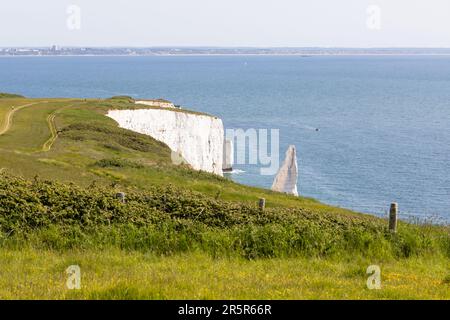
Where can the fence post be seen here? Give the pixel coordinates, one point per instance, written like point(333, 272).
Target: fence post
point(393, 211)
point(121, 196)
point(262, 204)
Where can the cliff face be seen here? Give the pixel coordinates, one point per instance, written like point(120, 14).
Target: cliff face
point(197, 138)
point(286, 178)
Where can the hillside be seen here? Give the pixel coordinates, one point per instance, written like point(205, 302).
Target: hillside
point(63, 161)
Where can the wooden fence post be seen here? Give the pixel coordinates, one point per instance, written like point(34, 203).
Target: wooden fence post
point(393, 211)
point(121, 196)
point(262, 204)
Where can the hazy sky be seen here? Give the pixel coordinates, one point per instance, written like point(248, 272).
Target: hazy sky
point(297, 23)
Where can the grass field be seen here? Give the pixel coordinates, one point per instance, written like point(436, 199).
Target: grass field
point(182, 233)
point(116, 274)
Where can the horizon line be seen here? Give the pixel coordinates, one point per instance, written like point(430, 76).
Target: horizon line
point(224, 47)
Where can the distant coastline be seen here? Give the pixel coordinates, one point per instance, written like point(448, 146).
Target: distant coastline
point(213, 51)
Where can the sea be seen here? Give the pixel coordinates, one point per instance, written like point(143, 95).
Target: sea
point(369, 130)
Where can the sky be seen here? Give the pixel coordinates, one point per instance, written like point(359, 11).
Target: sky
point(226, 23)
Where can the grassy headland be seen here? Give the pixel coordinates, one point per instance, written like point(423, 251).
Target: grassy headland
point(181, 233)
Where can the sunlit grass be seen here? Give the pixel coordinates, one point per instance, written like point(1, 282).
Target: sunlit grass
point(114, 274)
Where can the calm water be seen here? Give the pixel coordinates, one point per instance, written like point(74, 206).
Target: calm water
point(384, 121)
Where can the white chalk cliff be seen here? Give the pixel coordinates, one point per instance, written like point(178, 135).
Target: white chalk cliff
point(286, 178)
point(197, 138)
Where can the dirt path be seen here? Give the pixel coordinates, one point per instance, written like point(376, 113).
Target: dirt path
point(10, 114)
point(53, 131)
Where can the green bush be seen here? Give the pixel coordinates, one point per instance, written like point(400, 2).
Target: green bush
point(127, 99)
point(168, 220)
point(10, 95)
point(117, 163)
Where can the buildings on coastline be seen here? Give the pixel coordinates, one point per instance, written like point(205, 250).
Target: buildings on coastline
point(149, 51)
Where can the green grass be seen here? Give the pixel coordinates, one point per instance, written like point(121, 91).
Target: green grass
point(63, 162)
point(3, 112)
point(115, 274)
point(29, 130)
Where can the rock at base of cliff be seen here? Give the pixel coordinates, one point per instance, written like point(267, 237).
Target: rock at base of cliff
point(228, 155)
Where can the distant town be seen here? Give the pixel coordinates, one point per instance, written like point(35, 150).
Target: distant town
point(152, 51)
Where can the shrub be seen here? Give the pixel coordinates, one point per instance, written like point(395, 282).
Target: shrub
point(117, 163)
point(10, 95)
point(167, 220)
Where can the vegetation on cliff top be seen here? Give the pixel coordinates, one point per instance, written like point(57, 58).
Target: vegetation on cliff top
point(10, 95)
point(168, 219)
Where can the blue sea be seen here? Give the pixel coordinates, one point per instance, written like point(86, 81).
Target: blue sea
point(384, 121)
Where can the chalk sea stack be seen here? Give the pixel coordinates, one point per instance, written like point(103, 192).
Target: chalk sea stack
point(286, 178)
